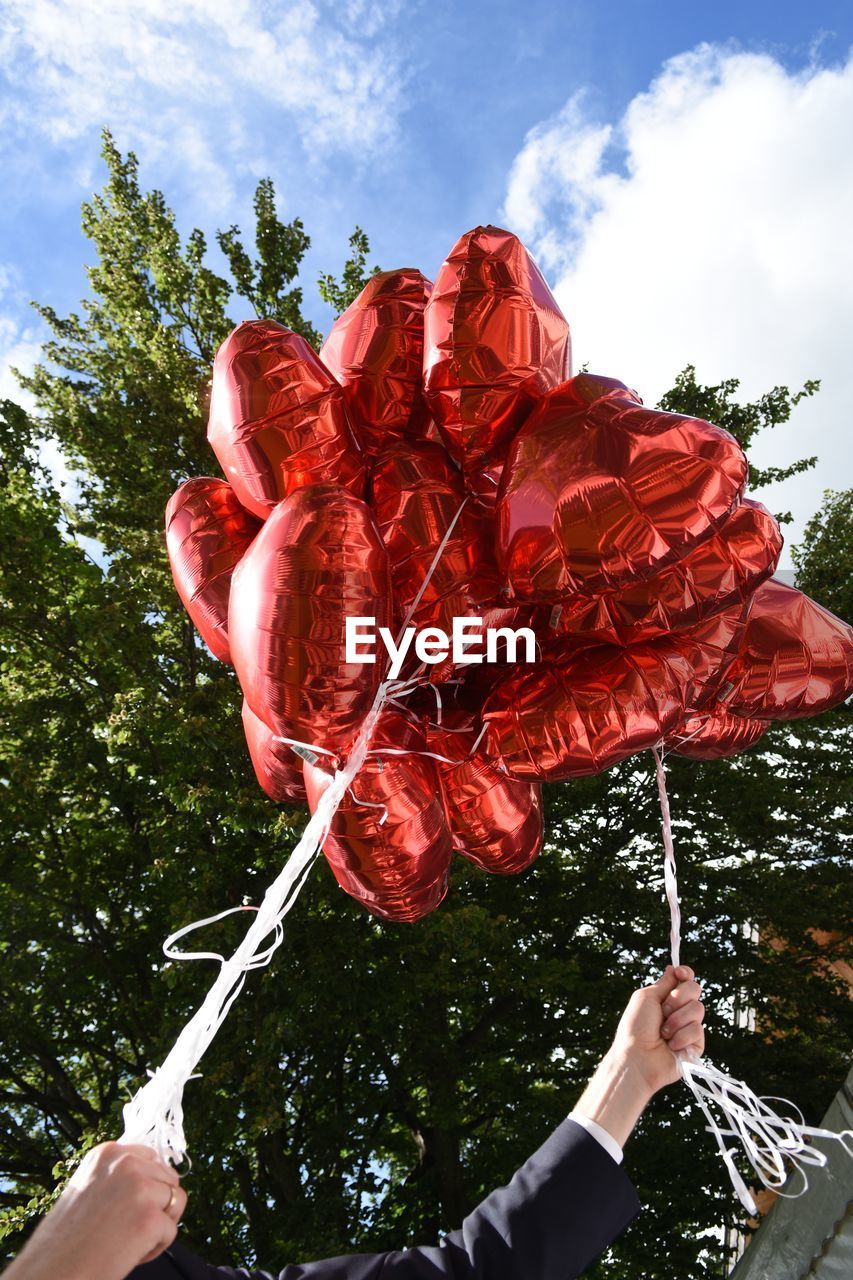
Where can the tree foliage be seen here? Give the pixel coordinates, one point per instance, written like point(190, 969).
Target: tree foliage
point(824, 559)
point(376, 1080)
point(745, 421)
point(340, 293)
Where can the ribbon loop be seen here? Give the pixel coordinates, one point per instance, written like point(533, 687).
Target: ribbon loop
point(773, 1144)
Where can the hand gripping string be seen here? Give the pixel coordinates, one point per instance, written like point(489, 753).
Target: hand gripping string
point(772, 1142)
point(155, 1113)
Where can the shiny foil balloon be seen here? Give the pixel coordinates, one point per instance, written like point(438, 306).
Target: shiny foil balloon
point(599, 492)
point(396, 868)
point(277, 767)
point(711, 649)
point(318, 559)
point(495, 341)
point(495, 820)
point(278, 421)
point(375, 350)
point(207, 534)
point(416, 491)
point(796, 658)
point(577, 713)
point(582, 715)
point(715, 734)
point(722, 571)
point(483, 481)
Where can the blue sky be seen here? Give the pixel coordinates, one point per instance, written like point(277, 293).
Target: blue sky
point(683, 172)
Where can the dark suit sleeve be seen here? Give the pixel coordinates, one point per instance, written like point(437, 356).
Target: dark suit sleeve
point(560, 1211)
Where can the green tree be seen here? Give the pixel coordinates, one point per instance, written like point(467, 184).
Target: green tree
point(340, 293)
point(824, 559)
point(375, 1081)
point(745, 421)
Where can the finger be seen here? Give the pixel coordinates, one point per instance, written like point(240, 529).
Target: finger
point(140, 1149)
point(171, 1201)
point(165, 1173)
point(684, 973)
point(692, 1012)
point(153, 1171)
point(665, 984)
point(176, 1210)
point(165, 1237)
point(683, 994)
point(688, 1037)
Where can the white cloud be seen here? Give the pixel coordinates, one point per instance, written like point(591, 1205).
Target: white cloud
point(204, 80)
point(20, 347)
point(21, 337)
point(711, 224)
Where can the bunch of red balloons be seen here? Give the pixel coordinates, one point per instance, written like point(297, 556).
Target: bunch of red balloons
point(619, 534)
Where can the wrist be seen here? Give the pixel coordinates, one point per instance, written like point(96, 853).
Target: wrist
point(616, 1095)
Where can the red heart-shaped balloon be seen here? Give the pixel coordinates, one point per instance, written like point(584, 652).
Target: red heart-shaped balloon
point(796, 658)
point(318, 559)
point(375, 350)
point(207, 534)
point(576, 713)
point(715, 734)
point(277, 418)
point(722, 571)
point(599, 492)
point(277, 766)
point(495, 340)
point(483, 481)
point(581, 715)
point(389, 845)
point(495, 820)
point(418, 496)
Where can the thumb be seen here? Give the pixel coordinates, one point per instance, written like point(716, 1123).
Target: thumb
point(669, 980)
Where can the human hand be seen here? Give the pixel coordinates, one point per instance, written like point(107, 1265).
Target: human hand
point(659, 1021)
point(120, 1208)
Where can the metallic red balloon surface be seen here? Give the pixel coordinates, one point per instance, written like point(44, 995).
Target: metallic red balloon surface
point(207, 534)
point(577, 713)
point(495, 340)
point(277, 418)
point(495, 820)
point(318, 559)
point(483, 481)
point(564, 719)
point(396, 868)
point(711, 649)
point(416, 491)
point(795, 659)
point(599, 492)
point(722, 571)
point(375, 350)
point(715, 734)
point(277, 766)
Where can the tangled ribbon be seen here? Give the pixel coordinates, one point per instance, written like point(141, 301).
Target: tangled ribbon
point(775, 1145)
point(155, 1113)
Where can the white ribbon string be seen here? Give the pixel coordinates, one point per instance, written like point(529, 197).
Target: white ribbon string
point(371, 804)
point(682, 738)
point(308, 751)
point(670, 878)
point(155, 1113)
point(169, 948)
point(401, 751)
point(774, 1144)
